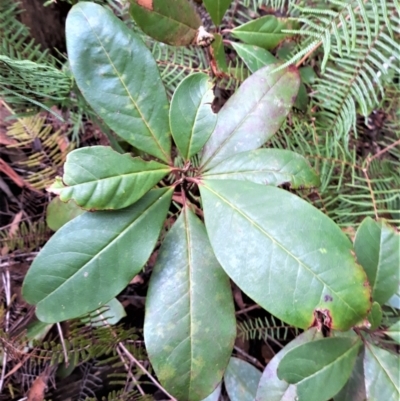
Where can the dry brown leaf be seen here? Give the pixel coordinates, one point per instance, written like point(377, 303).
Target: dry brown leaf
point(37, 390)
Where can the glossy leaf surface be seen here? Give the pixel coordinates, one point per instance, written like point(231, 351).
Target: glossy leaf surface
point(241, 380)
point(354, 389)
point(172, 22)
point(265, 32)
point(59, 213)
point(217, 9)
point(191, 118)
point(377, 247)
point(292, 267)
point(99, 178)
point(253, 56)
point(394, 331)
point(271, 388)
point(93, 257)
point(253, 114)
point(119, 78)
point(319, 368)
point(189, 327)
point(268, 167)
point(382, 374)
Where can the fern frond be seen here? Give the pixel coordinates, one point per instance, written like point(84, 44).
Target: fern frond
point(175, 63)
point(353, 185)
point(28, 76)
point(23, 79)
point(15, 39)
point(359, 57)
point(27, 237)
point(46, 149)
point(264, 329)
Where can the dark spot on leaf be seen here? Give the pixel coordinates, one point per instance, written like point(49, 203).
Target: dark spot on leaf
point(322, 318)
point(328, 298)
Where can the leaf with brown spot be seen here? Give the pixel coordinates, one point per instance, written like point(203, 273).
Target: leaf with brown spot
point(172, 22)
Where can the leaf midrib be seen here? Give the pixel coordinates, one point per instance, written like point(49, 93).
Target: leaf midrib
point(109, 244)
point(356, 343)
point(255, 224)
point(115, 176)
point(190, 268)
point(155, 139)
point(383, 368)
point(256, 104)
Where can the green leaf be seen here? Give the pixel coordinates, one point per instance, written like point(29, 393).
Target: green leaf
point(253, 56)
point(375, 316)
point(285, 254)
point(271, 388)
point(301, 102)
point(265, 32)
point(172, 22)
point(394, 331)
point(59, 213)
point(119, 78)
point(217, 9)
point(241, 380)
point(218, 52)
point(99, 178)
point(93, 257)
point(190, 326)
point(253, 114)
point(320, 368)
point(191, 117)
point(382, 375)
point(354, 390)
point(308, 75)
point(377, 247)
point(268, 167)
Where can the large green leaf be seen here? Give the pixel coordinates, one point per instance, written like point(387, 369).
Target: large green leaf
point(217, 9)
point(59, 213)
point(394, 331)
point(93, 257)
point(172, 22)
point(271, 388)
point(267, 166)
point(253, 56)
point(382, 374)
point(253, 114)
point(191, 117)
point(241, 380)
point(99, 178)
point(189, 327)
point(377, 247)
point(265, 32)
point(354, 390)
point(320, 368)
point(118, 76)
point(285, 254)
